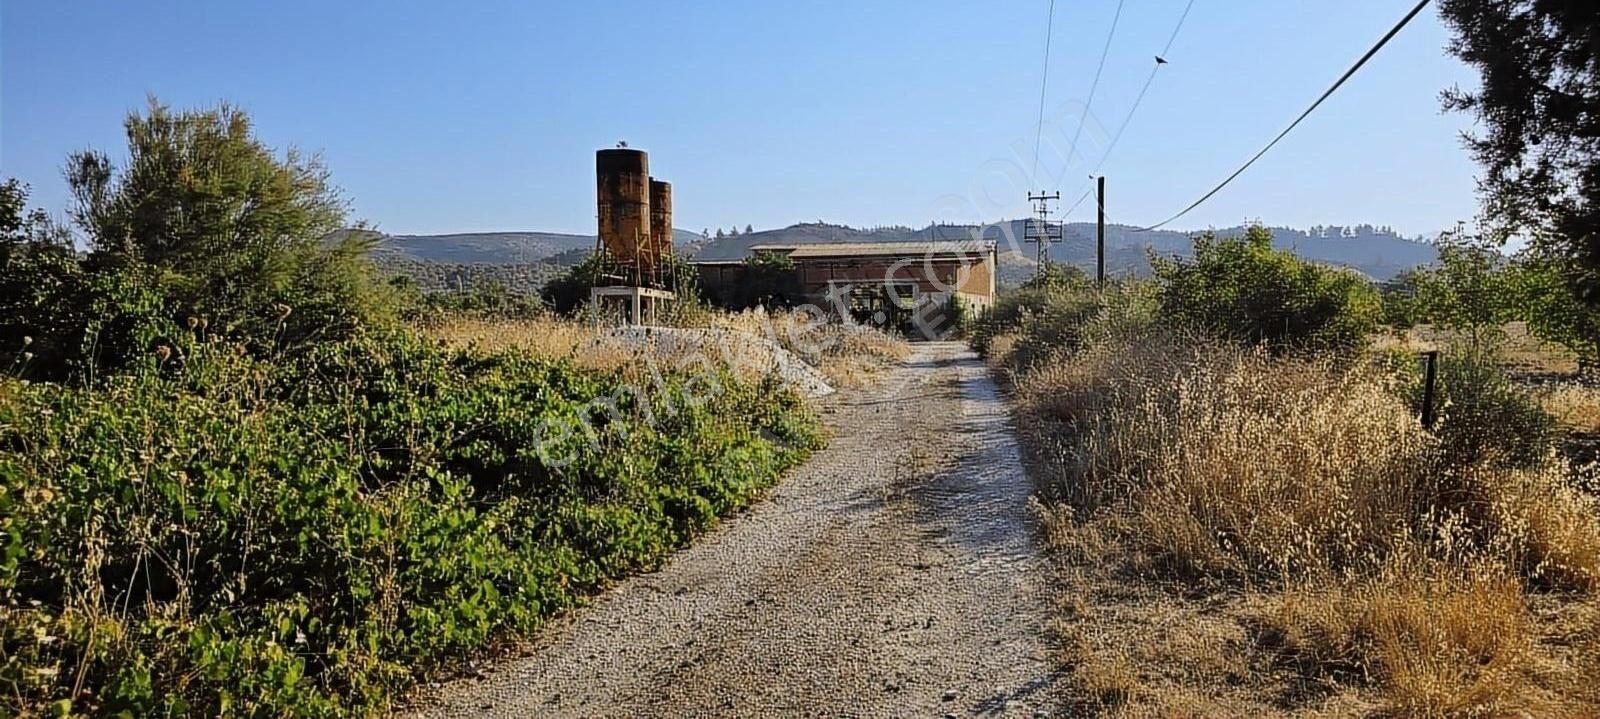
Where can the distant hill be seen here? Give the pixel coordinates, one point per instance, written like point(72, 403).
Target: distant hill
point(495, 247)
point(1377, 252)
point(524, 259)
point(521, 261)
point(519, 278)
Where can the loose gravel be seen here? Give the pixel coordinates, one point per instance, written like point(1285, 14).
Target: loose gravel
point(894, 574)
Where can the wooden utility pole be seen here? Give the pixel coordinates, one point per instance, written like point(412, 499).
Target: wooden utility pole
point(1100, 235)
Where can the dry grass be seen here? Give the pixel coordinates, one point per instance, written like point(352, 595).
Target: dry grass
point(1210, 490)
point(1447, 643)
point(850, 356)
point(1576, 407)
point(1524, 353)
point(546, 337)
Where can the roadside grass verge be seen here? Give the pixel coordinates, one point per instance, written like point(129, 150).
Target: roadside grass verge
point(1292, 515)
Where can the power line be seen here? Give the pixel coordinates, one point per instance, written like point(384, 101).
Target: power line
point(1160, 62)
point(1044, 82)
point(1095, 86)
point(1120, 130)
point(1181, 19)
point(1342, 80)
point(1080, 200)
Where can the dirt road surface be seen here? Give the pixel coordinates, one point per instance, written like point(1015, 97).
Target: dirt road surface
point(893, 575)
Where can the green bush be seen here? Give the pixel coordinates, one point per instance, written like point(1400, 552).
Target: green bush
point(208, 534)
point(1243, 288)
point(1060, 287)
point(63, 316)
point(1556, 311)
point(958, 317)
point(1469, 292)
point(204, 224)
point(568, 292)
point(1484, 416)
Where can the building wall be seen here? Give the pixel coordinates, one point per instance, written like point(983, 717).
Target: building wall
point(931, 277)
point(979, 279)
point(715, 278)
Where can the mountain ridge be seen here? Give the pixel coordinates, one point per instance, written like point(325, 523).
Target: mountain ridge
point(1377, 252)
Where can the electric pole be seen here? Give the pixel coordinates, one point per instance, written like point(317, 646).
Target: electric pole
point(1040, 229)
point(1100, 235)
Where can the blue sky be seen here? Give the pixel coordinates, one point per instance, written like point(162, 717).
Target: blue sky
point(478, 116)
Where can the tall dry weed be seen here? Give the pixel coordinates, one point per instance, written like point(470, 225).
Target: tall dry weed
point(1232, 462)
point(1314, 483)
point(1439, 640)
point(849, 355)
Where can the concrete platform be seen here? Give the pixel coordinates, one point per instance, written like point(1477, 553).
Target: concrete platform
point(642, 303)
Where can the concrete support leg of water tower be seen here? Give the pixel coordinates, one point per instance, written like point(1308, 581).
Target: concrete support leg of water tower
point(634, 300)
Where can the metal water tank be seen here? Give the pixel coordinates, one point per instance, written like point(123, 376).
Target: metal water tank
point(660, 222)
point(623, 184)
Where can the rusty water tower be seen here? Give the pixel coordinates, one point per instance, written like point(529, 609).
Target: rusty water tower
point(660, 224)
point(635, 233)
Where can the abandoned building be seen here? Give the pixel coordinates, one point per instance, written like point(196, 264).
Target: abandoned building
point(885, 283)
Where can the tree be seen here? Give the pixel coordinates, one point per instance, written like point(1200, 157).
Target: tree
point(1469, 291)
point(720, 234)
point(748, 229)
point(568, 292)
point(1058, 277)
point(1244, 288)
point(1554, 311)
point(1540, 108)
point(64, 315)
point(41, 286)
point(242, 236)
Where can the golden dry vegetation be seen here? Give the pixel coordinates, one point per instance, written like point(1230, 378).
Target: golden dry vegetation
point(848, 355)
point(1575, 406)
point(1523, 352)
point(1247, 535)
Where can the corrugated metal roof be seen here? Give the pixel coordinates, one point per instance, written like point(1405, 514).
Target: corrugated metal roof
point(880, 249)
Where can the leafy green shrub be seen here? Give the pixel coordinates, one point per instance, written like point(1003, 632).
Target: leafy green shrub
point(1550, 293)
point(1484, 416)
point(1469, 291)
point(1015, 309)
point(208, 534)
point(1061, 311)
point(240, 235)
point(569, 291)
point(1243, 288)
point(64, 317)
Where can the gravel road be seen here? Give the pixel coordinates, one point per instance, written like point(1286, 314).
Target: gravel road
point(894, 574)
